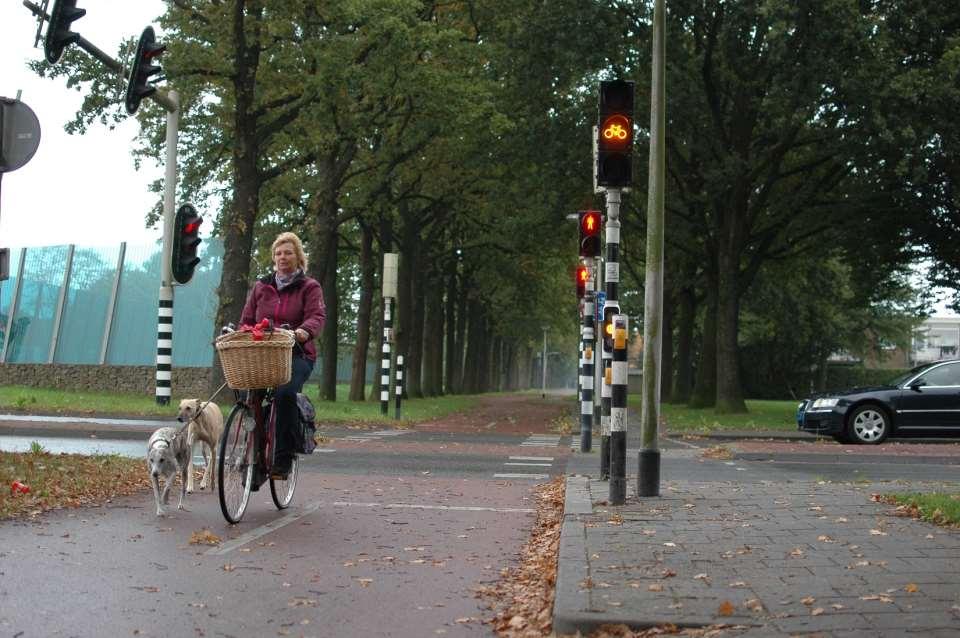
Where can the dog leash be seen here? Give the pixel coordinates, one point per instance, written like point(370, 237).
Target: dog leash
point(200, 410)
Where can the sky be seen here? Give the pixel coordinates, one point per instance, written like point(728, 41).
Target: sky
point(80, 189)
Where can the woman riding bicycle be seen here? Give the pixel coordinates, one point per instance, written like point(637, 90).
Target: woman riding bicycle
point(289, 296)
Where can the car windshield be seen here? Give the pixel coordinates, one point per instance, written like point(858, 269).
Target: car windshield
point(907, 375)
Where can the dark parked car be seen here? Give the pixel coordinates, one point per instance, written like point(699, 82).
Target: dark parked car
point(925, 402)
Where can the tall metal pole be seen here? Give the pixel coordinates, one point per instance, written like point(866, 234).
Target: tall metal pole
point(588, 357)
point(165, 310)
point(389, 289)
point(618, 421)
point(648, 473)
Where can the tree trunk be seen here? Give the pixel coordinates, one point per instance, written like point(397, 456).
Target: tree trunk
point(328, 382)
point(237, 227)
point(433, 339)
point(474, 350)
point(686, 318)
point(705, 387)
point(460, 338)
point(450, 333)
point(358, 376)
point(729, 391)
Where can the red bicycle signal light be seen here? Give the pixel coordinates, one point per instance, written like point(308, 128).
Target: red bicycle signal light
point(589, 233)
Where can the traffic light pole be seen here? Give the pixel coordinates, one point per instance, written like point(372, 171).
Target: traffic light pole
point(165, 309)
point(586, 380)
point(618, 421)
point(648, 471)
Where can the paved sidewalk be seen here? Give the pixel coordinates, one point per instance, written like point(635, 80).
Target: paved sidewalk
point(776, 558)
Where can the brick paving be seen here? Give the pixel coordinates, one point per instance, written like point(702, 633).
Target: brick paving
point(775, 558)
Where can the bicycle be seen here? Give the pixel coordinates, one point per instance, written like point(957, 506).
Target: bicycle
point(248, 442)
point(247, 450)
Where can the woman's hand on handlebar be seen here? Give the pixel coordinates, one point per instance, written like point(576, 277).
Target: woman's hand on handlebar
point(301, 335)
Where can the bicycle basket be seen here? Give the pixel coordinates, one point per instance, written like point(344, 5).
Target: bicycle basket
point(250, 365)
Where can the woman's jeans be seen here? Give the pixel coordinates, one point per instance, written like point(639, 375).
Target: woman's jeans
point(285, 400)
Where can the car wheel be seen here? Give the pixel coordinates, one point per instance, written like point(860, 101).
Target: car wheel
point(868, 424)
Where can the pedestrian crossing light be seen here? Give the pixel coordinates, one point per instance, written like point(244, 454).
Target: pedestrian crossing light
point(589, 233)
point(143, 67)
point(615, 134)
point(186, 241)
point(59, 34)
point(582, 276)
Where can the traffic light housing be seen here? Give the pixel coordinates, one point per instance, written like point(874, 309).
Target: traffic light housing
point(59, 34)
point(186, 241)
point(615, 134)
point(583, 274)
point(589, 223)
point(607, 333)
point(143, 67)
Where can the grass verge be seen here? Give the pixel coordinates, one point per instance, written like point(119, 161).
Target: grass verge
point(37, 481)
point(937, 508)
point(51, 401)
point(761, 415)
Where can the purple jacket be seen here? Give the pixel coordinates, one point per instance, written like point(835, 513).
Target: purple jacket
point(299, 304)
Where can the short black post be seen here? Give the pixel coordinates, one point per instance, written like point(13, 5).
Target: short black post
point(605, 418)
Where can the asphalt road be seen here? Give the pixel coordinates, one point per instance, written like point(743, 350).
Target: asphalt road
point(390, 534)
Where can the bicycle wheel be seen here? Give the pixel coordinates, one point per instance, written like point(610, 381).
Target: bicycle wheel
point(236, 464)
point(282, 489)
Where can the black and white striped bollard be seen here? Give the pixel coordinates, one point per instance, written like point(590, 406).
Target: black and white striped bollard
point(618, 412)
point(385, 360)
point(586, 403)
point(164, 345)
point(399, 390)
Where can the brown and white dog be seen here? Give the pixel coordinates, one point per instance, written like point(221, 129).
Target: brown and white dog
point(205, 426)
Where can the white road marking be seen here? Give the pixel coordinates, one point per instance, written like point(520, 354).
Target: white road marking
point(532, 464)
point(531, 458)
point(263, 530)
point(450, 508)
point(522, 476)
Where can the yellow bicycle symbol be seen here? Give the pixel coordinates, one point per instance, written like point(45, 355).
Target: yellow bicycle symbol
point(615, 132)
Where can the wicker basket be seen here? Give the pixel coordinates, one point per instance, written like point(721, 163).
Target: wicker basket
point(249, 364)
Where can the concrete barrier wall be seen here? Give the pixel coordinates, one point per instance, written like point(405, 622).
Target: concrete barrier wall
point(187, 382)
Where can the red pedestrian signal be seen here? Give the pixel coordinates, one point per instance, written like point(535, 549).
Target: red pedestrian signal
point(582, 276)
point(589, 221)
point(615, 134)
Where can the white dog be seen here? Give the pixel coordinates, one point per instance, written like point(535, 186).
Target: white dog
point(167, 455)
point(205, 426)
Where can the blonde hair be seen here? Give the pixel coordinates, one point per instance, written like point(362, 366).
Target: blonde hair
point(291, 238)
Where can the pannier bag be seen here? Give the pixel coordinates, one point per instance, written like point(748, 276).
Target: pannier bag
point(308, 427)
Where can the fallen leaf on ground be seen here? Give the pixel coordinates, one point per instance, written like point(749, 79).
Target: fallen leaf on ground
point(204, 537)
point(726, 608)
point(809, 600)
point(911, 587)
point(817, 611)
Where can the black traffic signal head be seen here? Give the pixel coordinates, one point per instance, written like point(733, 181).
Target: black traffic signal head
point(608, 328)
point(615, 134)
point(186, 241)
point(143, 67)
point(583, 274)
point(589, 222)
point(59, 34)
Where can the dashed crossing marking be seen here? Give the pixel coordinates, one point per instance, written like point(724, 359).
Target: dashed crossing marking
point(532, 464)
point(536, 477)
point(530, 458)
